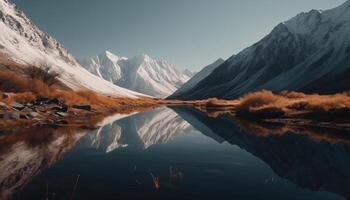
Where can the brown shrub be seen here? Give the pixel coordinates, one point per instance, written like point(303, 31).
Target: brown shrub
point(12, 82)
point(265, 104)
point(255, 100)
point(292, 95)
point(21, 97)
point(213, 102)
point(42, 73)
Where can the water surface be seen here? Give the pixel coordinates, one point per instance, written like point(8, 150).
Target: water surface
point(192, 155)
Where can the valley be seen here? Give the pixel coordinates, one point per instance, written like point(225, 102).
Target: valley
point(272, 121)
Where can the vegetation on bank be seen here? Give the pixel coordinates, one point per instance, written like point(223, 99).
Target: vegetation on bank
point(30, 94)
point(268, 105)
point(265, 104)
point(34, 86)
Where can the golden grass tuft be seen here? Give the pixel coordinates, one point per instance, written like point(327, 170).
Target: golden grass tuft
point(267, 104)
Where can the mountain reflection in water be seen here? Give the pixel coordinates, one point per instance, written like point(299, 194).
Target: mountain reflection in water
point(190, 155)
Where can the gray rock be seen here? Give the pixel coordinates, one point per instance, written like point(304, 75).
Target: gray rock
point(11, 115)
point(53, 101)
point(17, 106)
point(33, 114)
point(27, 109)
point(61, 114)
point(90, 127)
point(82, 107)
point(60, 108)
point(59, 122)
point(29, 104)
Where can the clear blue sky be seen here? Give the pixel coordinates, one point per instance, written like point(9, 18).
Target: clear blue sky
point(187, 33)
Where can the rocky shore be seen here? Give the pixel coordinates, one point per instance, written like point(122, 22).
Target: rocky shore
point(53, 112)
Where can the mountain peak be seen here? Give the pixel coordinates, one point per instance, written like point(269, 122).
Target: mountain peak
point(111, 56)
point(345, 5)
point(219, 60)
point(25, 43)
point(144, 57)
point(305, 22)
point(188, 72)
point(140, 73)
point(108, 53)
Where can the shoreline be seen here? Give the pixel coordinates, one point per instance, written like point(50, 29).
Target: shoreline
point(44, 113)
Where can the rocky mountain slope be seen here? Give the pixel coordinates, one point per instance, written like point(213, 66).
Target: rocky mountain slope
point(309, 53)
point(197, 78)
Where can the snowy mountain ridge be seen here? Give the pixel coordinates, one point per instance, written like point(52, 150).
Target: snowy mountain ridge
point(23, 42)
point(308, 53)
point(141, 73)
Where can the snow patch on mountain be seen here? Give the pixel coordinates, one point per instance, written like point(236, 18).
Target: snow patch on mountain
point(308, 53)
point(24, 43)
point(141, 73)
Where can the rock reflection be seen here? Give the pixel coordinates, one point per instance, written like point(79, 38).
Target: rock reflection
point(314, 158)
point(27, 152)
point(24, 153)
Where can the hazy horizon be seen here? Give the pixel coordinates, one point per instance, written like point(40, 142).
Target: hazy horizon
point(190, 34)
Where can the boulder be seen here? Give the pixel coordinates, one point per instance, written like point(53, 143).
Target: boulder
point(59, 122)
point(11, 115)
point(61, 114)
point(82, 107)
point(62, 108)
point(26, 109)
point(41, 100)
point(90, 127)
point(33, 114)
point(53, 101)
point(17, 106)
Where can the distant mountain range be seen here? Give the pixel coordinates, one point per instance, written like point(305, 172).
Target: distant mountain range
point(308, 53)
point(141, 73)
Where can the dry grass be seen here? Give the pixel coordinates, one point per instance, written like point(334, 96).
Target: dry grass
point(317, 134)
point(42, 73)
point(27, 84)
point(265, 104)
point(11, 82)
point(215, 102)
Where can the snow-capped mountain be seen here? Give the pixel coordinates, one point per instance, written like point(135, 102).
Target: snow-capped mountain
point(309, 53)
point(189, 73)
point(139, 131)
point(141, 73)
point(23, 42)
point(197, 78)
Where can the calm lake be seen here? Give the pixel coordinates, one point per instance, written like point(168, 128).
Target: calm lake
point(176, 153)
